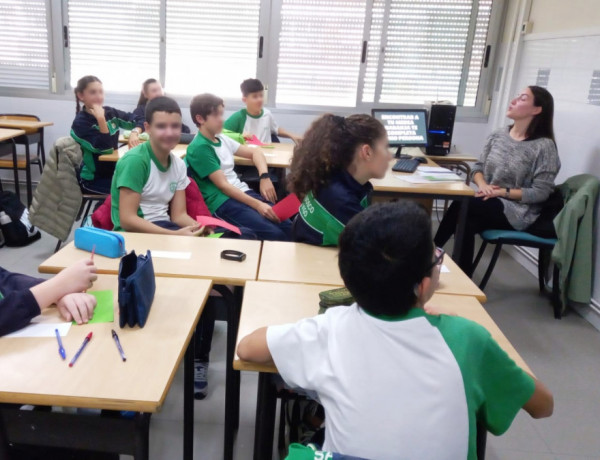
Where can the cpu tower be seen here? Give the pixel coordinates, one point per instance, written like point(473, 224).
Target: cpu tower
point(439, 132)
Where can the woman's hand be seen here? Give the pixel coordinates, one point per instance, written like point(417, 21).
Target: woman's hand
point(134, 139)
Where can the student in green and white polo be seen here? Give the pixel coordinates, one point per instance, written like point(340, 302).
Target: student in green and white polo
point(255, 119)
point(396, 379)
point(148, 187)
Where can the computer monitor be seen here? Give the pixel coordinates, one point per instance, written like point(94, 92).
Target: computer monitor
point(405, 127)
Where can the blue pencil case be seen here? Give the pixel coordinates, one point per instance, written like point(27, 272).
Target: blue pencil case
point(108, 244)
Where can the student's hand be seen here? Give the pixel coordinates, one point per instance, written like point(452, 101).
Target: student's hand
point(134, 139)
point(486, 190)
point(207, 231)
point(247, 136)
point(76, 278)
point(78, 307)
point(267, 190)
point(295, 138)
point(190, 230)
point(493, 193)
point(267, 212)
point(97, 111)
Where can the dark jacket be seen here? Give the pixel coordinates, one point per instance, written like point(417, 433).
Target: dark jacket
point(17, 304)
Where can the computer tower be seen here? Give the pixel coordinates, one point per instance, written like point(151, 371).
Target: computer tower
point(441, 126)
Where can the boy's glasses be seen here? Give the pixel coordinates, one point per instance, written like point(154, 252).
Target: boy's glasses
point(439, 258)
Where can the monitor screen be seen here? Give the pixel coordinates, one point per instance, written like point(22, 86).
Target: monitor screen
point(405, 127)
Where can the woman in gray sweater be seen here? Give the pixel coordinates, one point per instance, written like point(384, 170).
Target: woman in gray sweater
point(514, 176)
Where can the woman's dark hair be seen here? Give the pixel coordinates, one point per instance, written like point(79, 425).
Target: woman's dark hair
point(204, 105)
point(82, 84)
point(385, 251)
point(542, 124)
point(161, 104)
point(329, 146)
point(143, 99)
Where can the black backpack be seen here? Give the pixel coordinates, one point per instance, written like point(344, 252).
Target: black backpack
point(14, 222)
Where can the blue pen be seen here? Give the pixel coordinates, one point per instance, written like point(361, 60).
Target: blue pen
point(85, 342)
point(121, 352)
point(61, 350)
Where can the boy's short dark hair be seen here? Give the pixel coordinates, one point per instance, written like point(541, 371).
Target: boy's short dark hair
point(161, 104)
point(251, 85)
point(204, 105)
point(385, 251)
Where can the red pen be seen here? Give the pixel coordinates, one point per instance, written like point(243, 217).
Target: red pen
point(85, 342)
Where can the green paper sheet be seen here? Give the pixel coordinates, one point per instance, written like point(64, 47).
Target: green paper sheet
point(214, 235)
point(104, 311)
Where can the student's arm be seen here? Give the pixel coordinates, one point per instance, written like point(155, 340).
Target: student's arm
point(133, 121)
point(218, 178)
point(284, 133)
point(179, 215)
point(477, 170)
point(94, 137)
point(253, 347)
point(267, 190)
point(129, 203)
point(541, 403)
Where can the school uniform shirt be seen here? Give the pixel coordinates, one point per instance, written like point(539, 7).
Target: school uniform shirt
point(17, 304)
point(407, 388)
point(140, 171)
point(262, 126)
point(204, 157)
point(140, 117)
point(86, 132)
point(342, 198)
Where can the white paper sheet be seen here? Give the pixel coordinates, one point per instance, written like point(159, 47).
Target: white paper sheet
point(171, 254)
point(444, 269)
point(434, 169)
point(41, 326)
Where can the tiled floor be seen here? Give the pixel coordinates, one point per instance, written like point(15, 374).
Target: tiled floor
point(564, 354)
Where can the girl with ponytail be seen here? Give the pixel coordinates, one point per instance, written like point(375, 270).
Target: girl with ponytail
point(330, 174)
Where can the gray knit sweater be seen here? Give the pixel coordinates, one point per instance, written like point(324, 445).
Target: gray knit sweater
point(530, 165)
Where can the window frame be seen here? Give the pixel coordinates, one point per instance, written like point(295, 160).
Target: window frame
point(266, 66)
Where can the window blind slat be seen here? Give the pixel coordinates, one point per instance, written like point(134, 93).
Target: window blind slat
point(24, 59)
point(212, 45)
point(117, 41)
point(320, 45)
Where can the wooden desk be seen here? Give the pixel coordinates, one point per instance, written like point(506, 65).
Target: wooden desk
point(269, 304)
point(23, 124)
point(304, 263)
point(205, 261)
point(6, 134)
point(179, 150)
point(99, 379)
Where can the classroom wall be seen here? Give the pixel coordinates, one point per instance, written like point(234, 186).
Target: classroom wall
point(550, 16)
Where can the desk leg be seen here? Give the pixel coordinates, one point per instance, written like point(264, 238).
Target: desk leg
point(15, 169)
point(28, 175)
point(481, 441)
point(188, 401)
point(459, 234)
point(232, 377)
point(142, 436)
point(266, 403)
point(3, 440)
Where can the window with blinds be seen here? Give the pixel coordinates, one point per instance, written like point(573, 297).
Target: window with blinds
point(212, 45)
point(320, 46)
point(433, 50)
point(116, 40)
point(24, 60)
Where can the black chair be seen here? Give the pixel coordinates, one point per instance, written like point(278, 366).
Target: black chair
point(9, 148)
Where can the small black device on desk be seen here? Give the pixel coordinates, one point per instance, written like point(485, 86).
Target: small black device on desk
point(408, 164)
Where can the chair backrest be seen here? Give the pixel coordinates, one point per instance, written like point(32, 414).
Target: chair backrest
point(18, 116)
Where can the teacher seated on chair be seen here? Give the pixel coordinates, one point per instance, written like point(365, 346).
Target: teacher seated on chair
point(514, 176)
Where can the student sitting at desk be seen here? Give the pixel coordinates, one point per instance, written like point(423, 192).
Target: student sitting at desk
point(330, 173)
point(151, 88)
point(23, 297)
point(210, 160)
point(515, 174)
point(396, 381)
point(96, 130)
point(255, 119)
point(148, 187)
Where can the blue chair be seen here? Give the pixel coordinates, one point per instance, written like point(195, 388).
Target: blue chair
point(516, 238)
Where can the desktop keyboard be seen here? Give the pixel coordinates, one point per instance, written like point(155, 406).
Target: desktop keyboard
point(406, 165)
